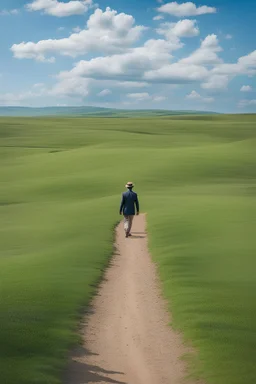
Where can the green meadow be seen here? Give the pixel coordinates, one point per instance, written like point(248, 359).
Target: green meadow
point(61, 183)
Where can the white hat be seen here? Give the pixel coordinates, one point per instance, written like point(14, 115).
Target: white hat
point(129, 184)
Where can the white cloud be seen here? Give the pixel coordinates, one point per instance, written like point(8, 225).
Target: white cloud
point(158, 17)
point(246, 88)
point(197, 97)
point(246, 103)
point(217, 82)
point(185, 9)
point(124, 67)
point(173, 32)
point(248, 60)
point(107, 32)
point(60, 9)
point(222, 73)
point(193, 95)
point(79, 87)
point(72, 87)
point(246, 65)
point(173, 41)
point(139, 96)
point(183, 28)
point(159, 98)
point(128, 69)
point(60, 29)
point(130, 84)
point(105, 92)
point(76, 29)
point(177, 73)
point(139, 67)
point(6, 12)
point(207, 53)
point(228, 36)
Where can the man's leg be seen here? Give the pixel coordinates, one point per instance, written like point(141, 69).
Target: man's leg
point(130, 223)
point(126, 224)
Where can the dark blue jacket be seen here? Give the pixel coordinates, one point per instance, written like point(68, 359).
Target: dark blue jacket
point(128, 203)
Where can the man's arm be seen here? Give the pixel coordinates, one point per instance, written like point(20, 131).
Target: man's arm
point(137, 204)
point(121, 205)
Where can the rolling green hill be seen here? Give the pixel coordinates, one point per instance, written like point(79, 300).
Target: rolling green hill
point(61, 183)
point(88, 111)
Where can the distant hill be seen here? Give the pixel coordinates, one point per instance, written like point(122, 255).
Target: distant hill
point(92, 111)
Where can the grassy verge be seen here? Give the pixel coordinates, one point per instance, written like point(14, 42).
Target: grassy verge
point(62, 180)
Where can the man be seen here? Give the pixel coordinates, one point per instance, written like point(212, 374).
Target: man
point(127, 207)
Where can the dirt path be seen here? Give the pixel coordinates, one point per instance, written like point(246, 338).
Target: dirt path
point(127, 338)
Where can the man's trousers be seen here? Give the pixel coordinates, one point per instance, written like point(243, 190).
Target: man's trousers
point(128, 219)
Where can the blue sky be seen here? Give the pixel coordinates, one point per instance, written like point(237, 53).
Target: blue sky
point(129, 54)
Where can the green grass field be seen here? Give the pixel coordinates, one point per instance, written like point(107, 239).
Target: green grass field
point(61, 185)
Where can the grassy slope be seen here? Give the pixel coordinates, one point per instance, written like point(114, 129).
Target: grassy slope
point(89, 111)
point(58, 205)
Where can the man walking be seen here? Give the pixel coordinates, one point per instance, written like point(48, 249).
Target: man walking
point(127, 207)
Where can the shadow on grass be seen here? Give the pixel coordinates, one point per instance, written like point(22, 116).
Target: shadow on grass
point(81, 372)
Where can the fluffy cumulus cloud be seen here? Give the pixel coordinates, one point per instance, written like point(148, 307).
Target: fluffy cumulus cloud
point(129, 66)
point(177, 73)
point(60, 9)
point(221, 73)
point(207, 53)
point(108, 32)
point(175, 31)
point(246, 88)
point(217, 82)
point(185, 9)
point(145, 64)
point(185, 28)
point(195, 96)
point(246, 65)
point(114, 61)
point(72, 87)
point(149, 64)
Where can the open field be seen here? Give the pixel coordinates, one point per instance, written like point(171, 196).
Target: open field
point(60, 194)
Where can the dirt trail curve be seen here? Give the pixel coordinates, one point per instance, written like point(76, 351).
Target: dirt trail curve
point(126, 337)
